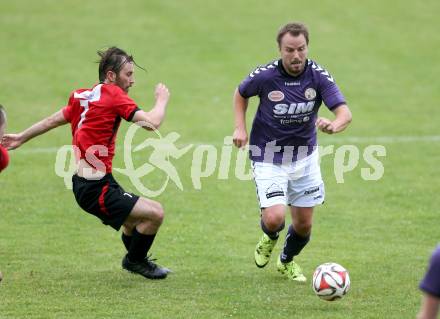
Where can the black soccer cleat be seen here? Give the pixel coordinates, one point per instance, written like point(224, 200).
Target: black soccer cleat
point(147, 268)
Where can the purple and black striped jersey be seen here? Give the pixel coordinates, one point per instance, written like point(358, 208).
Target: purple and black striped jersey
point(431, 283)
point(288, 109)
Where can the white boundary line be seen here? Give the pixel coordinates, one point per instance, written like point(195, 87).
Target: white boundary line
point(381, 139)
point(322, 141)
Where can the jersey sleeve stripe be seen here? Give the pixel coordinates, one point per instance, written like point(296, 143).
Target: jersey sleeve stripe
point(132, 114)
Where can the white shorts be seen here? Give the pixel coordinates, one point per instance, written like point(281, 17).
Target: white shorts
point(298, 184)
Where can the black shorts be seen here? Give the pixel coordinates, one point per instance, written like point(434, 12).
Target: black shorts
point(104, 198)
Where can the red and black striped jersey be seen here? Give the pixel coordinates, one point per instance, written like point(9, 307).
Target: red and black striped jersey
point(95, 115)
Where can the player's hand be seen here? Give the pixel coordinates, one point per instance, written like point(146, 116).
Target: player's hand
point(325, 125)
point(162, 93)
point(240, 137)
point(11, 141)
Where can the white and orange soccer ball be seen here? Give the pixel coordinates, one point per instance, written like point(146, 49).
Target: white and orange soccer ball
point(330, 281)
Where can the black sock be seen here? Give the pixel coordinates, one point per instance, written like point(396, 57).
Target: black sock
point(293, 245)
point(272, 234)
point(126, 240)
point(140, 245)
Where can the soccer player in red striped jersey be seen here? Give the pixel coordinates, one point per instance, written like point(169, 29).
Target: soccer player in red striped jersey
point(95, 115)
point(4, 157)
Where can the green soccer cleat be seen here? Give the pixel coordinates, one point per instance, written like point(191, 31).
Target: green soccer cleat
point(291, 270)
point(264, 250)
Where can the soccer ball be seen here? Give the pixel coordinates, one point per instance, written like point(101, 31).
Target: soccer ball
point(330, 281)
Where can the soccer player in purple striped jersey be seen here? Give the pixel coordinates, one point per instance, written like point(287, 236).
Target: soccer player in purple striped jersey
point(430, 285)
point(283, 142)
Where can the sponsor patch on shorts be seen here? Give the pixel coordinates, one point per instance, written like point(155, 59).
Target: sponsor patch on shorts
point(311, 190)
point(273, 191)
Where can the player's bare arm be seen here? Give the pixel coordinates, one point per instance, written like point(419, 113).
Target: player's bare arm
point(429, 308)
point(2, 130)
point(2, 121)
point(156, 115)
point(12, 141)
point(240, 136)
point(342, 120)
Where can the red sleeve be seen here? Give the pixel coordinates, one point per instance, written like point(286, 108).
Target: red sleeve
point(4, 158)
point(67, 110)
point(125, 107)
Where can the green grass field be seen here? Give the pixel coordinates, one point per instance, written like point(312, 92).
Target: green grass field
point(59, 262)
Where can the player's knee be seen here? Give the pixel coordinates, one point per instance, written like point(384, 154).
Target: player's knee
point(273, 222)
point(157, 213)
